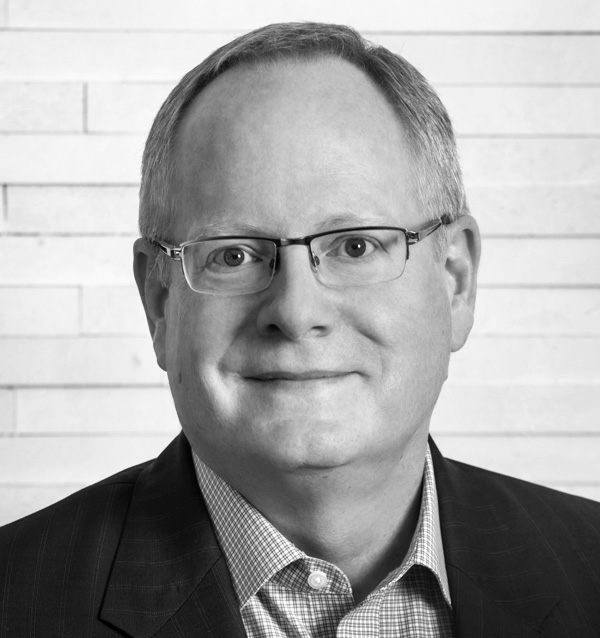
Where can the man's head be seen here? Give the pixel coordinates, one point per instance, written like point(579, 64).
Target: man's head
point(280, 134)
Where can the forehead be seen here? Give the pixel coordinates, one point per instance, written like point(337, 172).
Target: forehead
point(310, 137)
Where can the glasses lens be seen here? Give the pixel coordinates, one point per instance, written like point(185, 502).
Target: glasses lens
point(237, 266)
point(360, 257)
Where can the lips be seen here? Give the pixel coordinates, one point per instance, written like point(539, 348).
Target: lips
point(288, 375)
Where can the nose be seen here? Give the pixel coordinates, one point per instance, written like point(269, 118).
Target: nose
point(296, 305)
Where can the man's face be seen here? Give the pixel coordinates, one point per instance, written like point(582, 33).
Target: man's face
point(301, 375)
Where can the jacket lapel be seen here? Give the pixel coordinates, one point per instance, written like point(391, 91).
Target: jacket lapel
point(501, 582)
point(478, 616)
point(169, 576)
point(211, 610)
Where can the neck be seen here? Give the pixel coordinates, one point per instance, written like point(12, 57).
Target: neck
point(360, 519)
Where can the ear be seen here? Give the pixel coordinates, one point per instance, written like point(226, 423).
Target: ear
point(153, 295)
point(462, 260)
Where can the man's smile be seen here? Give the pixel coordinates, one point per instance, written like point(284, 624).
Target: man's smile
point(306, 375)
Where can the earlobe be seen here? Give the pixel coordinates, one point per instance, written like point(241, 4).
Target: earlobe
point(153, 295)
point(462, 262)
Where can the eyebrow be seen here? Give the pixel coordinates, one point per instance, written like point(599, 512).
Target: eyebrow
point(343, 220)
point(217, 228)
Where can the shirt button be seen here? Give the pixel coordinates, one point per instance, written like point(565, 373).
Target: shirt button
point(317, 580)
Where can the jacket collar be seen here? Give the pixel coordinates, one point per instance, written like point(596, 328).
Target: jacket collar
point(169, 576)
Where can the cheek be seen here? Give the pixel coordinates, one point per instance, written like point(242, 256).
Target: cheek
point(409, 325)
point(200, 331)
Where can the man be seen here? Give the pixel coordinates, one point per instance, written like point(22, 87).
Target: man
point(307, 266)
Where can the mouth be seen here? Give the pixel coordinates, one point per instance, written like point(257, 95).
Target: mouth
point(305, 375)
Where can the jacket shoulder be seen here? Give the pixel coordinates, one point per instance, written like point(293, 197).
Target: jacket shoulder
point(56, 561)
point(109, 489)
point(514, 487)
point(563, 520)
point(531, 551)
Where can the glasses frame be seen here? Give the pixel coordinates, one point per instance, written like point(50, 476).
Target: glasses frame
point(175, 252)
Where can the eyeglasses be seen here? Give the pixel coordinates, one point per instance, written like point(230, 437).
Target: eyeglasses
point(230, 265)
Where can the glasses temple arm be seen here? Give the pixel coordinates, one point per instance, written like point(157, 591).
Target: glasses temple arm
point(174, 252)
point(415, 236)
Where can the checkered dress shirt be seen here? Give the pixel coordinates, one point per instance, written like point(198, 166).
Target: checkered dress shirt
point(284, 593)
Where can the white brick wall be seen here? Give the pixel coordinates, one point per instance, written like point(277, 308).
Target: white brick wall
point(49, 260)
point(41, 106)
point(53, 158)
point(124, 107)
point(80, 393)
point(523, 110)
point(86, 411)
point(60, 361)
point(39, 311)
point(72, 210)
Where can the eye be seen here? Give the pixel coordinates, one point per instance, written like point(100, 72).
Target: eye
point(233, 257)
point(353, 246)
point(356, 246)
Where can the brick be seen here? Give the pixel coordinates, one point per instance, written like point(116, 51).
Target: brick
point(17, 501)
point(3, 209)
point(510, 408)
point(72, 209)
point(549, 209)
point(39, 311)
point(498, 59)
point(46, 361)
point(7, 411)
point(164, 57)
point(67, 260)
point(530, 161)
point(429, 15)
point(551, 460)
point(70, 159)
point(41, 107)
point(537, 312)
point(510, 110)
point(110, 310)
point(87, 411)
point(124, 107)
point(68, 460)
point(550, 261)
point(527, 360)
point(102, 56)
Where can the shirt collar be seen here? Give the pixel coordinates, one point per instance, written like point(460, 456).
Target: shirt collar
point(253, 559)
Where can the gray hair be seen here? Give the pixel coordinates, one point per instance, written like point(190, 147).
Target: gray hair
point(427, 125)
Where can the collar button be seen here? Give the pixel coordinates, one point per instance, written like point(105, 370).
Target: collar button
point(317, 579)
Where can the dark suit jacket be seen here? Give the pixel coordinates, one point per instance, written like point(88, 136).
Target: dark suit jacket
point(135, 555)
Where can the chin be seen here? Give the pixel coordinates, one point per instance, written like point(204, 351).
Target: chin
point(310, 443)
